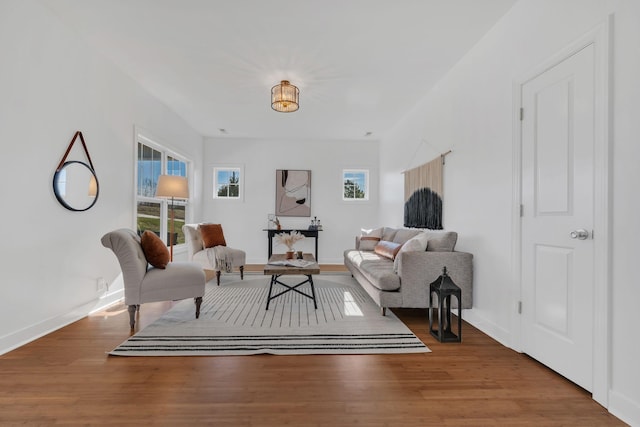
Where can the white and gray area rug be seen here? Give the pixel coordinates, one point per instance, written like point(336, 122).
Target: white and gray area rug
point(233, 321)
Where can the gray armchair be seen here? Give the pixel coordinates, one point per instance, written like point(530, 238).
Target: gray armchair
point(142, 283)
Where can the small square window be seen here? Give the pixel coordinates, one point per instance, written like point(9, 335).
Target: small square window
point(355, 184)
point(227, 183)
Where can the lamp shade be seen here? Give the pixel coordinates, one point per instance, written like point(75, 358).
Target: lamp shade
point(172, 186)
point(285, 97)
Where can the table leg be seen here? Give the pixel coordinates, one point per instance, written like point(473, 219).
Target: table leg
point(313, 292)
point(288, 288)
point(273, 279)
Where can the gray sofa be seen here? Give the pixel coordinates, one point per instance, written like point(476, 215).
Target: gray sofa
point(404, 280)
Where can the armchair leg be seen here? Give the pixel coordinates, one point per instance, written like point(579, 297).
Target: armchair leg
point(242, 272)
point(218, 277)
point(198, 302)
point(132, 314)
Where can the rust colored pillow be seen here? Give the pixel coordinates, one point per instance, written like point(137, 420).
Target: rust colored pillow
point(155, 251)
point(387, 249)
point(212, 235)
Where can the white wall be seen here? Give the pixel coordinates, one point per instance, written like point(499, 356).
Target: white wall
point(51, 86)
point(244, 221)
point(470, 111)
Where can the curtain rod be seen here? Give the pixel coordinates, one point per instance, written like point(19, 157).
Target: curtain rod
point(442, 156)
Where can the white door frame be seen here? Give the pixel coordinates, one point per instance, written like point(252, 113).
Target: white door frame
point(600, 38)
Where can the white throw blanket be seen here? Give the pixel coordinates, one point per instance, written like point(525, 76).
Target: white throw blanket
point(220, 257)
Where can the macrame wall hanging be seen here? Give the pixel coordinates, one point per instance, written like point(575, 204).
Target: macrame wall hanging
point(423, 195)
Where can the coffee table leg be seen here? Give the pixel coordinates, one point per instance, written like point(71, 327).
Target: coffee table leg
point(313, 292)
point(273, 279)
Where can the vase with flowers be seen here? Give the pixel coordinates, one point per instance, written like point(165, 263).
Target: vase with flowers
point(289, 240)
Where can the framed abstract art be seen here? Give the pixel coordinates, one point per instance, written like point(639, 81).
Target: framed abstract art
point(293, 192)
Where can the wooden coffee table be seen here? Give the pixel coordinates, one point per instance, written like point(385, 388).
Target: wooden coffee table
point(275, 271)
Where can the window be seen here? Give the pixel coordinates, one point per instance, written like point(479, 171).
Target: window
point(227, 183)
point(355, 184)
point(154, 213)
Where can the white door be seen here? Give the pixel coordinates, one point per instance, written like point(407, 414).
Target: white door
point(558, 203)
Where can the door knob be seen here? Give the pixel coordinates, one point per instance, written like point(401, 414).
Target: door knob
point(580, 234)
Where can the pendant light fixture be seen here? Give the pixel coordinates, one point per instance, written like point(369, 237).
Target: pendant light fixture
point(285, 97)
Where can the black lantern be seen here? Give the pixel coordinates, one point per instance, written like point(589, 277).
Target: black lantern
point(443, 288)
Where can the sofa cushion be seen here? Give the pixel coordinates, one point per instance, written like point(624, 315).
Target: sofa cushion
point(387, 249)
point(212, 235)
point(369, 239)
point(441, 241)
point(155, 251)
point(388, 233)
point(418, 243)
point(376, 269)
point(404, 234)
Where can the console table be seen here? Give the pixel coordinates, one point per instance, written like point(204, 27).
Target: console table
point(306, 233)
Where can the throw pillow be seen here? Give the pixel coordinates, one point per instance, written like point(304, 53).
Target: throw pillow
point(155, 251)
point(212, 235)
point(388, 233)
point(404, 234)
point(387, 249)
point(441, 241)
point(369, 239)
point(417, 243)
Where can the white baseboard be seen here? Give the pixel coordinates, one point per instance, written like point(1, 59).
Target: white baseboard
point(481, 322)
point(33, 332)
point(624, 408)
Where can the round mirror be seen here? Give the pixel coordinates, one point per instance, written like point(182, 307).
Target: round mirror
point(76, 186)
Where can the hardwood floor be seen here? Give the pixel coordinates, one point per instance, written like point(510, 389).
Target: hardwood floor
point(67, 378)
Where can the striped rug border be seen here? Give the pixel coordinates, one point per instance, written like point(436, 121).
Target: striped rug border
point(240, 325)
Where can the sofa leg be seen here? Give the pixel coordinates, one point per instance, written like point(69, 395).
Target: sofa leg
point(132, 314)
point(383, 310)
point(198, 302)
point(218, 277)
point(242, 272)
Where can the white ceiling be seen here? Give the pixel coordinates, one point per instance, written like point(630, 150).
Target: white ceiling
point(361, 65)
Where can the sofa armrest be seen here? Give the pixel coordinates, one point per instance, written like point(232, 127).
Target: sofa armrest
point(418, 269)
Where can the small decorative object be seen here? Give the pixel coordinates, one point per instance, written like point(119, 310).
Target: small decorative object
point(271, 221)
point(276, 221)
point(289, 240)
point(443, 288)
point(314, 223)
point(299, 254)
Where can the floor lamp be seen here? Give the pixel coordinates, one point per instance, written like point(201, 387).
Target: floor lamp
point(174, 187)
